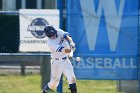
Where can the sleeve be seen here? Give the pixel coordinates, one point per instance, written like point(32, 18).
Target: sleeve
point(63, 34)
point(66, 34)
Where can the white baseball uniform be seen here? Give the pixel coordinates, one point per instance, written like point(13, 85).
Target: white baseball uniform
point(60, 63)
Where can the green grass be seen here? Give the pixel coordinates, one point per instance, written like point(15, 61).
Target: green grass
point(20, 84)
point(32, 84)
point(94, 86)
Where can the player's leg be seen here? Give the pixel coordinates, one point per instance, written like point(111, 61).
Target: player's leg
point(69, 73)
point(56, 72)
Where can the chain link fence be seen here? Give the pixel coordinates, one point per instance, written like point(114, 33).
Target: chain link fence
point(18, 78)
point(19, 73)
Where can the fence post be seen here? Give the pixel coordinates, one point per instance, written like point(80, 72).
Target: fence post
point(45, 69)
point(22, 68)
point(60, 6)
point(60, 86)
point(139, 46)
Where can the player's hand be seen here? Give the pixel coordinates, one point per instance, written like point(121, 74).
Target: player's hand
point(72, 46)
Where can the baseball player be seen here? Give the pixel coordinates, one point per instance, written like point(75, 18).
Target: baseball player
point(60, 44)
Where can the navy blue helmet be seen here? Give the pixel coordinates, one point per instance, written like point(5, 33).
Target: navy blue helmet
point(50, 31)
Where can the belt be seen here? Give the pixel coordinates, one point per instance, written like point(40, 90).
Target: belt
point(64, 58)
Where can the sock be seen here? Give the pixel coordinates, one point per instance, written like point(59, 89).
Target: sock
point(73, 88)
point(72, 85)
point(46, 88)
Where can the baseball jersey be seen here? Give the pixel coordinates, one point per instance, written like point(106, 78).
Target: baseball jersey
point(56, 45)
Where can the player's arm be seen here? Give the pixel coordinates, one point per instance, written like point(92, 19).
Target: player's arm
point(63, 49)
point(60, 48)
point(70, 41)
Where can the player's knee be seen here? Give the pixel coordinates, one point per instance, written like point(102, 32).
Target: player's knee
point(53, 85)
point(72, 80)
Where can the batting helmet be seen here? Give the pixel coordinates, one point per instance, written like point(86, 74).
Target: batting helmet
point(50, 31)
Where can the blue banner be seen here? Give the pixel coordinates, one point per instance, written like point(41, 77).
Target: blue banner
point(105, 31)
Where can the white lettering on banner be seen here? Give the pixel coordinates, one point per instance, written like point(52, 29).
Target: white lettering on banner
point(117, 63)
point(98, 62)
point(36, 28)
point(109, 63)
point(33, 41)
point(92, 20)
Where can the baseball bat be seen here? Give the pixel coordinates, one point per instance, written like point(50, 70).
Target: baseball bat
point(71, 53)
